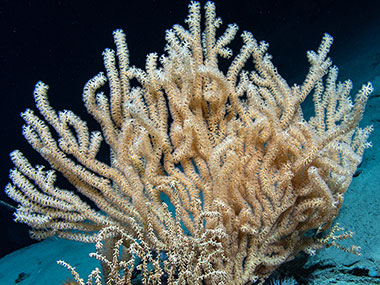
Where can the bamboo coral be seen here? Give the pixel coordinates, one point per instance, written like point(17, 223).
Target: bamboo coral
point(246, 175)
